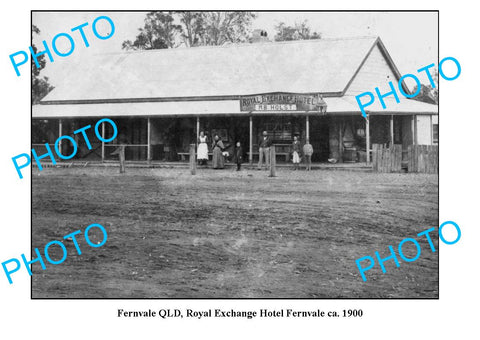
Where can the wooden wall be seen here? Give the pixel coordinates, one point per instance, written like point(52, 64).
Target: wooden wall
point(375, 72)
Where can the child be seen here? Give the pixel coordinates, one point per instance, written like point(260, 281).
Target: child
point(238, 155)
point(308, 151)
point(296, 152)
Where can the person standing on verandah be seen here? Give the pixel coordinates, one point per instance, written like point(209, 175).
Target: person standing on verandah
point(120, 151)
point(202, 150)
point(264, 150)
point(238, 155)
point(217, 158)
point(296, 153)
point(308, 152)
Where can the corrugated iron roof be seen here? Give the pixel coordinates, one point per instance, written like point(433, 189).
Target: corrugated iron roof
point(324, 66)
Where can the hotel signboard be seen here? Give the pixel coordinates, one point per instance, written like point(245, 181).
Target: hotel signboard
point(283, 102)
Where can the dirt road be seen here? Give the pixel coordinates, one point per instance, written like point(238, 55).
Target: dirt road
point(227, 234)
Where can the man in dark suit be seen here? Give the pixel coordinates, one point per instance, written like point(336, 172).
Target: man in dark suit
point(264, 150)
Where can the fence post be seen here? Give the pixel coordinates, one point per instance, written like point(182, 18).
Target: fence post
point(193, 160)
point(273, 162)
point(375, 157)
point(121, 157)
point(421, 158)
point(398, 157)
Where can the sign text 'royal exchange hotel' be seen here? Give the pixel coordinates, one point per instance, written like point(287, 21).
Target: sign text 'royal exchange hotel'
point(282, 102)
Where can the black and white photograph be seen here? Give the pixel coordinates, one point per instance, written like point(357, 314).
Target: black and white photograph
point(214, 170)
point(235, 154)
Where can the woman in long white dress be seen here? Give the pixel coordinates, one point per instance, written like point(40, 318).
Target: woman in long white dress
point(202, 150)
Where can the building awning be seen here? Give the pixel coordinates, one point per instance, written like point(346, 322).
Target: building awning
point(345, 105)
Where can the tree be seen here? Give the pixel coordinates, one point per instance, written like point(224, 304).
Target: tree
point(428, 94)
point(40, 86)
point(226, 27)
point(158, 32)
point(300, 31)
point(194, 29)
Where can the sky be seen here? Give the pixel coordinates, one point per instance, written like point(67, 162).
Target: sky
point(410, 37)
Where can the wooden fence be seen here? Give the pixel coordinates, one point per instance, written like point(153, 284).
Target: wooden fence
point(387, 159)
point(420, 158)
point(423, 158)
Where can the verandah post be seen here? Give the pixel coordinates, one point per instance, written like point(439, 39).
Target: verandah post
point(392, 140)
point(367, 132)
point(103, 143)
point(414, 137)
point(307, 127)
point(198, 128)
point(250, 155)
point(149, 152)
point(60, 135)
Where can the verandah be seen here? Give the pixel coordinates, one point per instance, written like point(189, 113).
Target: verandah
point(343, 138)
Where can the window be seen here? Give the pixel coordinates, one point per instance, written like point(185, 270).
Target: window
point(280, 130)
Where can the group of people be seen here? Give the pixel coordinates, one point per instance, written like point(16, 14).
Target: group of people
point(219, 153)
point(264, 152)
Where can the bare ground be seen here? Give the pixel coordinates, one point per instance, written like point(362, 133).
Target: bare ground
point(227, 234)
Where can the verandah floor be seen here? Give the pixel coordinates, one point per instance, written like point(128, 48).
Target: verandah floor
point(185, 164)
